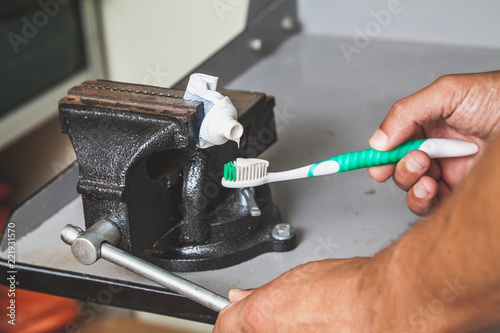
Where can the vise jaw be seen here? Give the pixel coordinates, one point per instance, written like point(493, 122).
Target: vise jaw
point(140, 169)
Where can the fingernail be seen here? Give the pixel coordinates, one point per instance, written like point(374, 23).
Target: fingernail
point(413, 164)
point(379, 140)
point(234, 292)
point(420, 191)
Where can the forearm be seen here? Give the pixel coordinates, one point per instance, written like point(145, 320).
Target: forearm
point(451, 260)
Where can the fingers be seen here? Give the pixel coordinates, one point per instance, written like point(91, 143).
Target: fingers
point(407, 172)
point(411, 168)
point(433, 102)
point(417, 175)
point(381, 173)
point(236, 295)
point(226, 321)
point(422, 197)
point(384, 172)
point(434, 170)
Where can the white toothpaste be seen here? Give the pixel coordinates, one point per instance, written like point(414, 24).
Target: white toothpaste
point(219, 124)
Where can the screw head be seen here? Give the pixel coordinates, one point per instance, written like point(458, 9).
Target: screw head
point(255, 44)
point(289, 23)
point(282, 231)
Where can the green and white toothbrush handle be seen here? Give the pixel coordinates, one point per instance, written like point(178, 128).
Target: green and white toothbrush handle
point(435, 148)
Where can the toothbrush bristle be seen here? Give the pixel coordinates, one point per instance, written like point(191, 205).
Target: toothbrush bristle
point(244, 169)
point(229, 171)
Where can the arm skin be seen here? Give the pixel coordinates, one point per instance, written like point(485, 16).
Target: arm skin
point(442, 276)
point(451, 260)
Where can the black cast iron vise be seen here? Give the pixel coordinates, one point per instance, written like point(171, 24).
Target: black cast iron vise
point(140, 169)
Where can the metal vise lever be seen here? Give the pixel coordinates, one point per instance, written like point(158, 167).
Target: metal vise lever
point(98, 242)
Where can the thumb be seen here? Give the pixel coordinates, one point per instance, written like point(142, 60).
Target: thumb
point(436, 101)
point(236, 295)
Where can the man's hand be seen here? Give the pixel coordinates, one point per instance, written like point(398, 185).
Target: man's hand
point(335, 295)
point(314, 297)
point(465, 107)
point(443, 274)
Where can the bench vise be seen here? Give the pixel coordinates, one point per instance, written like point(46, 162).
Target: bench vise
point(140, 169)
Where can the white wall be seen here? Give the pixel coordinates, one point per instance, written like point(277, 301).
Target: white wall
point(158, 42)
point(455, 22)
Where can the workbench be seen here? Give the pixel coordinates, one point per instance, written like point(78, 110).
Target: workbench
point(324, 106)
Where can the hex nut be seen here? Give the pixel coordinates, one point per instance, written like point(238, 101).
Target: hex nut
point(282, 231)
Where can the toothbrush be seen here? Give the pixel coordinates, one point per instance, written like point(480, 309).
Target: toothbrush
point(249, 172)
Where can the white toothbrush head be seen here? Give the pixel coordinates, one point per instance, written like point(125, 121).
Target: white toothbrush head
point(245, 172)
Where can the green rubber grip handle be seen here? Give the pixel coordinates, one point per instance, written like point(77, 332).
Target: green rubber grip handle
point(370, 157)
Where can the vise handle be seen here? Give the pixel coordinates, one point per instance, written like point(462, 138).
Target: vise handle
point(98, 242)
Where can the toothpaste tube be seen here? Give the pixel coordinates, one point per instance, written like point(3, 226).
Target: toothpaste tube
point(219, 124)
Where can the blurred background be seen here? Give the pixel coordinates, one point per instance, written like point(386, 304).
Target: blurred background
point(48, 46)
